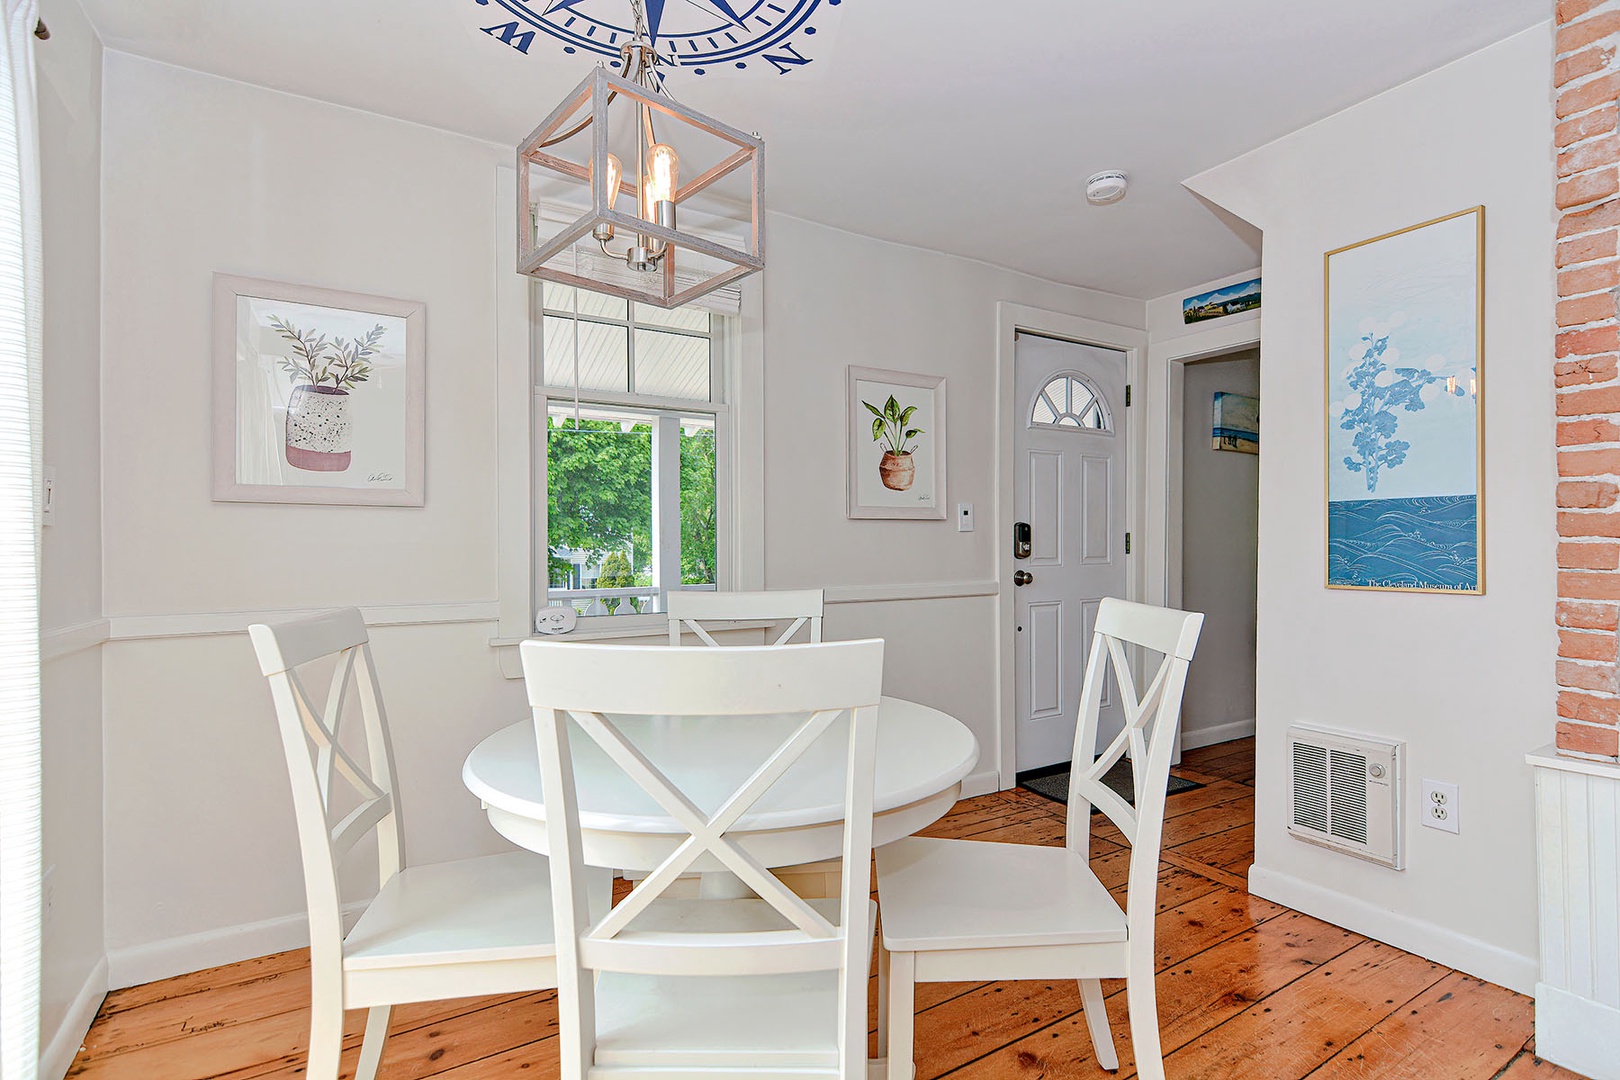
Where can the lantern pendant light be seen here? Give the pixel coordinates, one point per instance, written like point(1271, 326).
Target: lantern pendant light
point(635, 255)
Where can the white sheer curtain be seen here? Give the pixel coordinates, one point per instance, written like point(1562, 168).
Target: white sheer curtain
point(20, 445)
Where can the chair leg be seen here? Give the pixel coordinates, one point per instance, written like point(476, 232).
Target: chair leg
point(902, 1015)
point(1143, 1004)
point(325, 1042)
point(371, 1050)
point(1102, 1037)
point(883, 1003)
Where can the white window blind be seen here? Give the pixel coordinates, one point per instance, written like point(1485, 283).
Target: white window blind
point(20, 451)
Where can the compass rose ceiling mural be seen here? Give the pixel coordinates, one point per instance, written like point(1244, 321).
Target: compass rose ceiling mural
point(705, 37)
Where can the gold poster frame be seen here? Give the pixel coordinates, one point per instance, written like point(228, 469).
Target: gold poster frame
point(1479, 402)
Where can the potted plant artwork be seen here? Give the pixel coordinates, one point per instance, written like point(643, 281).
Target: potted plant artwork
point(320, 432)
point(897, 468)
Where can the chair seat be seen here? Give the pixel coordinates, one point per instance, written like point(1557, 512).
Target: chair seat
point(963, 894)
point(497, 907)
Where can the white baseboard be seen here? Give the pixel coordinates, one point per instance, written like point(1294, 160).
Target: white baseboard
point(1429, 940)
point(57, 1056)
point(981, 783)
point(1579, 1034)
point(1219, 733)
point(211, 948)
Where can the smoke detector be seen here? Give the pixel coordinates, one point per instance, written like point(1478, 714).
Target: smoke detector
point(1106, 187)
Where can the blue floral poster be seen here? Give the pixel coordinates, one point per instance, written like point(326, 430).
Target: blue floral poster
point(1405, 467)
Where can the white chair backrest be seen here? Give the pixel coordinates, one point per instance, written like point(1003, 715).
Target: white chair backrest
point(1149, 733)
point(595, 687)
point(689, 609)
point(311, 732)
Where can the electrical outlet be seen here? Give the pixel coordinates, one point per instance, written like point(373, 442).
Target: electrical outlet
point(964, 517)
point(1441, 808)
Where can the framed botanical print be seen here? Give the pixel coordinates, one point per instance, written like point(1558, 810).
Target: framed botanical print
point(895, 425)
point(318, 395)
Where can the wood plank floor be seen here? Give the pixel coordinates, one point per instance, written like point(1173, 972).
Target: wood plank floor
point(1247, 989)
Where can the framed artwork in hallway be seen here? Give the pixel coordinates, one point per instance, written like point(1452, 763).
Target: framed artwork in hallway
point(1236, 423)
point(318, 395)
point(1405, 344)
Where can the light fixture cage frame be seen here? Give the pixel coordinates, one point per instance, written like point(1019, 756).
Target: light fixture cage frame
point(596, 93)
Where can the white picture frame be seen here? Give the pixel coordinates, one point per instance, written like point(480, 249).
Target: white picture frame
point(354, 436)
point(895, 462)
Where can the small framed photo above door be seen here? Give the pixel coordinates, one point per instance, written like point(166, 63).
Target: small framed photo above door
point(895, 426)
point(318, 395)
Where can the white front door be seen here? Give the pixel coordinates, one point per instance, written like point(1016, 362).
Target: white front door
point(1069, 449)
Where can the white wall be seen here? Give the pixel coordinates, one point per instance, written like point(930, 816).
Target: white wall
point(1465, 681)
point(200, 175)
point(69, 68)
point(203, 175)
point(833, 299)
point(1220, 534)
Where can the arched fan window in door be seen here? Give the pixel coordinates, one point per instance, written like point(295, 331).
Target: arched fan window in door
point(1069, 401)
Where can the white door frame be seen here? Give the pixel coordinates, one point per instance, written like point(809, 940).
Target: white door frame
point(1165, 378)
point(1011, 318)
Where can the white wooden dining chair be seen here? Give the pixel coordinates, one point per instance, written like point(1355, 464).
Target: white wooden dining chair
point(444, 930)
point(681, 988)
point(799, 608)
point(963, 910)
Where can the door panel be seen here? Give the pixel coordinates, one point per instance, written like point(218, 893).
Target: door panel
point(1071, 490)
point(1045, 628)
point(1046, 507)
point(1097, 516)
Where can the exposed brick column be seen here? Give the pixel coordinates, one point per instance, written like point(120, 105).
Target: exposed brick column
point(1587, 136)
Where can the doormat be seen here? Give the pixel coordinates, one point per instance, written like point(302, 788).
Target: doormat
point(1054, 783)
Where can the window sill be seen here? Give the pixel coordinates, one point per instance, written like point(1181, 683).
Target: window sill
point(506, 649)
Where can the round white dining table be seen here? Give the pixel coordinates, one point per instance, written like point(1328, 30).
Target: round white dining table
point(922, 757)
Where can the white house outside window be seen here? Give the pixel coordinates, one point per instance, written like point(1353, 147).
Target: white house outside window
point(635, 450)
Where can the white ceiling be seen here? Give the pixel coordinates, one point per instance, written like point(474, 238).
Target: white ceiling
point(966, 127)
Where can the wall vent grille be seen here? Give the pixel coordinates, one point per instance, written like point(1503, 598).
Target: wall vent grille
point(1346, 793)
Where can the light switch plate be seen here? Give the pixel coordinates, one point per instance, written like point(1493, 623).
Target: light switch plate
point(47, 505)
point(964, 517)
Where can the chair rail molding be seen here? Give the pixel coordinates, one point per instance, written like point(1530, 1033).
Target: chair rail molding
point(1578, 867)
point(60, 641)
point(211, 623)
point(926, 590)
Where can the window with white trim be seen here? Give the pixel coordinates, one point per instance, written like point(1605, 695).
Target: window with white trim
point(633, 431)
point(1069, 401)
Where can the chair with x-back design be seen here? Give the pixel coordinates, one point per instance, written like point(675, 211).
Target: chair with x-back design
point(956, 910)
point(769, 984)
point(689, 609)
point(445, 930)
